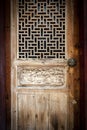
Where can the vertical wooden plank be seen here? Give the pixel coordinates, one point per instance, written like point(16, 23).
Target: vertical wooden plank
point(2, 68)
point(21, 112)
point(26, 112)
point(8, 64)
point(76, 72)
point(42, 111)
point(58, 111)
point(85, 60)
point(83, 67)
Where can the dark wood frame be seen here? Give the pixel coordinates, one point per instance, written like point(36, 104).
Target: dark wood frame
point(4, 43)
point(2, 69)
point(83, 64)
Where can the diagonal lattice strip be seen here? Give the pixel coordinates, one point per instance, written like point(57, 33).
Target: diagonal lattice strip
point(41, 28)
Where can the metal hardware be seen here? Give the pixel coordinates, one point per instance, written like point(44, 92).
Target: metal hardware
point(72, 62)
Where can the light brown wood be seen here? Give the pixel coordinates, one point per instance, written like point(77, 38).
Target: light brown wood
point(46, 108)
point(46, 76)
point(25, 113)
point(42, 111)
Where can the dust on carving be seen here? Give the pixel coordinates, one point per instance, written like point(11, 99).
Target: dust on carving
point(41, 76)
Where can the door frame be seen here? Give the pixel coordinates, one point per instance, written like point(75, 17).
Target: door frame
point(83, 64)
point(5, 97)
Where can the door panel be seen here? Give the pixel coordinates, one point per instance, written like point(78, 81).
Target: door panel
point(44, 88)
point(42, 111)
point(45, 76)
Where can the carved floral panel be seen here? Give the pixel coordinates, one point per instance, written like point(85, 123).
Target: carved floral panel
point(46, 76)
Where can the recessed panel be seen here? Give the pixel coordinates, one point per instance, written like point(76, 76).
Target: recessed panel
point(42, 111)
point(45, 76)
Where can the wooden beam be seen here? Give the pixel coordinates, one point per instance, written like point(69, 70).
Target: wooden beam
point(85, 61)
point(2, 68)
point(8, 63)
point(83, 66)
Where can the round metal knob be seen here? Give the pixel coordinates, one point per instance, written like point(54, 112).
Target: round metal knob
point(72, 62)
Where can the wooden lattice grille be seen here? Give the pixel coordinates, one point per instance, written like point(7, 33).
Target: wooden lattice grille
point(41, 29)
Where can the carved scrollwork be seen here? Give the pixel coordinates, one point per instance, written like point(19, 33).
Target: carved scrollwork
point(46, 76)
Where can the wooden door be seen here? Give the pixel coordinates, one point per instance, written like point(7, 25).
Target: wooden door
point(44, 65)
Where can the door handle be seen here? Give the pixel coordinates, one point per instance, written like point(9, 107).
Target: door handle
point(72, 62)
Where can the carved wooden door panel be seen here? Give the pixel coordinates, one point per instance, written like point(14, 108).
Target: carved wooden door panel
point(44, 82)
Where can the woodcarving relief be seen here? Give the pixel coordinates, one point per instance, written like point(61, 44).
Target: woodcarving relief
point(41, 76)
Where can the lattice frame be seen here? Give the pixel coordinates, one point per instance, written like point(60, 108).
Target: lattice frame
point(44, 34)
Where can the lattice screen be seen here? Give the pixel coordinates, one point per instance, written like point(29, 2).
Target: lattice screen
point(41, 29)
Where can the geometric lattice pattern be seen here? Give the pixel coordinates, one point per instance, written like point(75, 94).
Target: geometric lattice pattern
point(41, 29)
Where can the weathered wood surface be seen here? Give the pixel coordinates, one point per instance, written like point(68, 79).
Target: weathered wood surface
point(42, 111)
point(8, 64)
point(46, 76)
point(2, 68)
point(51, 109)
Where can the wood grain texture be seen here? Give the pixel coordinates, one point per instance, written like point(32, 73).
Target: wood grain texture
point(42, 111)
point(8, 65)
point(76, 72)
point(83, 55)
point(2, 68)
point(55, 108)
point(58, 111)
point(83, 63)
point(26, 112)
